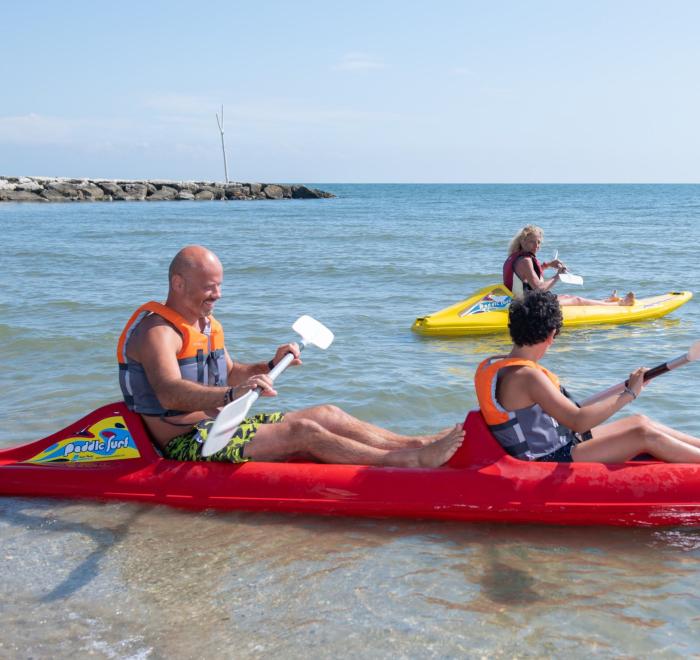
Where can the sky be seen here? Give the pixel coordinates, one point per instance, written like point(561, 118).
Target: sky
point(447, 91)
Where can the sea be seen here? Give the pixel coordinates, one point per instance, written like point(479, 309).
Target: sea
point(118, 580)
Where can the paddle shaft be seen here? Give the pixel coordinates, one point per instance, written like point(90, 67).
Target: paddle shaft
point(276, 371)
point(232, 414)
point(648, 375)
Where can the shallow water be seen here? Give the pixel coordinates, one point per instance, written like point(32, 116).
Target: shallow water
point(150, 582)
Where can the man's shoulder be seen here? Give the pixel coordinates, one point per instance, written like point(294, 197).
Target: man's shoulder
point(153, 331)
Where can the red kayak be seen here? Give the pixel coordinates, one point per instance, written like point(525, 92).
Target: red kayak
point(107, 455)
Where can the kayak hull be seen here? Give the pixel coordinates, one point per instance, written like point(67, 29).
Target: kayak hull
point(480, 483)
point(486, 312)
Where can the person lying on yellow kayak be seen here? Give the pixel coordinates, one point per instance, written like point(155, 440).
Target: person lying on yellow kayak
point(523, 272)
point(533, 418)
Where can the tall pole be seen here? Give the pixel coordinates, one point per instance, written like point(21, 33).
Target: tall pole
point(220, 124)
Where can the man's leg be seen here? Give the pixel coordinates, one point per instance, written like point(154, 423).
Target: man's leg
point(339, 422)
point(298, 435)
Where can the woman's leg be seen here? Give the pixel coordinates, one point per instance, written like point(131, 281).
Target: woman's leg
point(567, 299)
point(626, 438)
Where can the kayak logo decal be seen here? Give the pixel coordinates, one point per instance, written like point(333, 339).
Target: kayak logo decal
point(106, 440)
point(491, 302)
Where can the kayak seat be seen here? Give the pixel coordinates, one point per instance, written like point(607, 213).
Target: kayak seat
point(479, 447)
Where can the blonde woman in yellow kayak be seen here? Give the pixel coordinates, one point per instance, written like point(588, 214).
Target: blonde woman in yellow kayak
point(523, 272)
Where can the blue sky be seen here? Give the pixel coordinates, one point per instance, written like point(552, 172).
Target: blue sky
point(384, 91)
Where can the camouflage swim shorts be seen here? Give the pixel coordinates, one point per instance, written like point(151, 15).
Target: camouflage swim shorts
point(188, 446)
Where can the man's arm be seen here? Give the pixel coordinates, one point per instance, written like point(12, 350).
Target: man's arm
point(156, 348)
point(239, 373)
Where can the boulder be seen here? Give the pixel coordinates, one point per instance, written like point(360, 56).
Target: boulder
point(204, 195)
point(112, 190)
point(185, 195)
point(51, 195)
point(165, 193)
point(273, 191)
point(19, 196)
point(255, 188)
point(29, 185)
point(235, 193)
point(302, 192)
point(189, 186)
point(136, 190)
point(69, 190)
point(92, 192)
point(217, 193)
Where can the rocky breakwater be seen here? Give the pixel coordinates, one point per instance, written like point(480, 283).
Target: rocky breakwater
point(56, 189)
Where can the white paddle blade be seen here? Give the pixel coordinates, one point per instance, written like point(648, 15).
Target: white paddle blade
point(570, 278)
point(227, 422)
point(313, 332)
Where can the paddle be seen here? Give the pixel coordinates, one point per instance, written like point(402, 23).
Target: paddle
point(311, 332)
point(566, 276)
point(692, 355)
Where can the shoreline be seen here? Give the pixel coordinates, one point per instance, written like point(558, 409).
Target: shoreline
point(71, 189)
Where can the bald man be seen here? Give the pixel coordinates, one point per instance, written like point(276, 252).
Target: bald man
point(175, 371)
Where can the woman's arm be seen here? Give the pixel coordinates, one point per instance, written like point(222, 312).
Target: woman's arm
point(525, 270)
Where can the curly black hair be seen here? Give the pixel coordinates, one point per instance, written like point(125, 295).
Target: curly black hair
point(531, 319)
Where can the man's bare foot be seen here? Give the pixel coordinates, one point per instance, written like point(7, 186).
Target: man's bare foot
point(423, 440)
point(442, 450)
point(433, 455)
point(628, 300)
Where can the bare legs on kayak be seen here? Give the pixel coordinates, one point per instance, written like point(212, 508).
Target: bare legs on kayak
point(567, 299)
point(331, 435)
point(624, 439)
point(337, 421)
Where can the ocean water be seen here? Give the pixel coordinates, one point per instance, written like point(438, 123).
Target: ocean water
point(118, 580)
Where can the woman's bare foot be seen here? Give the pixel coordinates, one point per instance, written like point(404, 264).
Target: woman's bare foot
point(441, 451)
point(628, 300)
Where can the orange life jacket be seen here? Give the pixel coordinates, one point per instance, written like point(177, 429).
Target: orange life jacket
point(527, 433)
point(202, 359)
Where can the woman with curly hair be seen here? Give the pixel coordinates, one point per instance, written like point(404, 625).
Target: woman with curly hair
point(534, 419)
point(523, 272)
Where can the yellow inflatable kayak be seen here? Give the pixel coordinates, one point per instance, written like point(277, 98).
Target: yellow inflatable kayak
point(487, 312)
